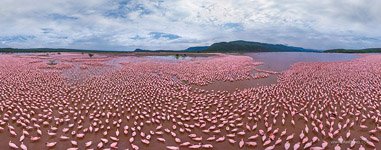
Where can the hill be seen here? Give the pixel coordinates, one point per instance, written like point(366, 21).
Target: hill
point(237, 46)
point(245, 46)
point(369, 50)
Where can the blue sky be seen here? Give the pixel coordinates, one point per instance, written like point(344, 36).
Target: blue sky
point(178, 24)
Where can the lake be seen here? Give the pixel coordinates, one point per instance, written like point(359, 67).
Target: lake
point(275, 61)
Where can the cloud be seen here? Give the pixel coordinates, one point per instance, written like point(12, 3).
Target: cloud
point(56, 16)
point(159, 35)
point(178, 24)
point(15, 38)
point(233, 26)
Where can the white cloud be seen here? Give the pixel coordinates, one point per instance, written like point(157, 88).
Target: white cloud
point(127, 24)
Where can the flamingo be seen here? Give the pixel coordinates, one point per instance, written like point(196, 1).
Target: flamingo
point(114, 145)
point(23, 146)
point(87, 144)
point(287, 145)
point(173, 148)
point(314, 96)
point(241, 143)
point(51, 144)
point(13, 145)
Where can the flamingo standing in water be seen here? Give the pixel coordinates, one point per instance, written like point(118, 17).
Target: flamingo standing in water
point(149, 99)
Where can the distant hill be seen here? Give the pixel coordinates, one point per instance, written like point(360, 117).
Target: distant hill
point(245, 46)
point(369, 50)
point(237, 46)
point(48, 50)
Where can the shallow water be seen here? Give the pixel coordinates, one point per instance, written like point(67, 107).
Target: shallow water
point(281, 61)
point(275, 61)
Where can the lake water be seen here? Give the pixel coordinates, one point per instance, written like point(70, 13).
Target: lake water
point(275, 61)
point(281, 61)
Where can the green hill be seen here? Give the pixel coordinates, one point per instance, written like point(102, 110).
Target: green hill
point(245, 46)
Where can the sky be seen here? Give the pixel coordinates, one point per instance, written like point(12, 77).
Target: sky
point(178, 24)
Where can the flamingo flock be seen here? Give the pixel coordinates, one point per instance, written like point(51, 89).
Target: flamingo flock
point(149, 104)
